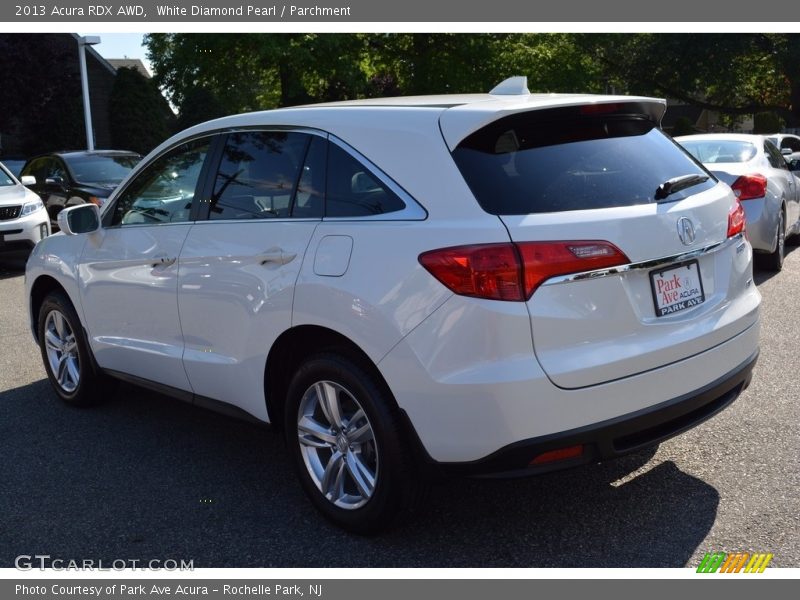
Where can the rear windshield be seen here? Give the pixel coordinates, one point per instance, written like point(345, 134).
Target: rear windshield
point(561, 160)
point(720, 151)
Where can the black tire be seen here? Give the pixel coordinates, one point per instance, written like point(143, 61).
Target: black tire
point(774, 260)
point(91, 385)
point(398, 490)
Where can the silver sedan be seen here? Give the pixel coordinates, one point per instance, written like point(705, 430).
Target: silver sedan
point(760, 177)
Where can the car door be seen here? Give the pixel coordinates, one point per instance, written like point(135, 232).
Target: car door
point(239, 267)
point(129, 273)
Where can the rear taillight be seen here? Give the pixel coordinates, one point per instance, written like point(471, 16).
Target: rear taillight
point(736, 219)
point(512, 272)
point(748, 187)
point(544, 260)
point(489, 271)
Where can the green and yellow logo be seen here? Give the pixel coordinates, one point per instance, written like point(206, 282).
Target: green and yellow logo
point(720, 562)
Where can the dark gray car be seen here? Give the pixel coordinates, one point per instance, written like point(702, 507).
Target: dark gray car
point(69, 178)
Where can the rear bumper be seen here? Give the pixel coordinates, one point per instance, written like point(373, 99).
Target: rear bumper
point(614, 437)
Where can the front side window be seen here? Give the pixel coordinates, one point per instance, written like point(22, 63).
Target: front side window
point(258, 175)
point(56, 170)
point(163, 192)
point(36, 168)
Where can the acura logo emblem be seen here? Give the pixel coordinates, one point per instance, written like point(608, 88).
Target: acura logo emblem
point(686, 231)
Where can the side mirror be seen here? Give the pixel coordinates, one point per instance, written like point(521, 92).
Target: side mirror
point(59, 181)
point(75, 220)
point(786, 151)
point(27, 180)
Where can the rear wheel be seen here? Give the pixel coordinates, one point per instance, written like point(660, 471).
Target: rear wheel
point(774, 261)
point(344, 434)
point(66, 354)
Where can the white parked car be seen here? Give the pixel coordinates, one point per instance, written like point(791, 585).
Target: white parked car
point(787, 144)
point(23, 219)
point(761, 180)
point(503, 283)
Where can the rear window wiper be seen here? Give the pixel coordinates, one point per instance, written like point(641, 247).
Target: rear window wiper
point(676, 184)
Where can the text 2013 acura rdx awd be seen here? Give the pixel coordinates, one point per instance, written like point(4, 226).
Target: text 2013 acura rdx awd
point(501, 283)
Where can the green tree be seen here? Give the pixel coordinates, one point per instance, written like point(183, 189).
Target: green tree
point(683, 126)
point(257, 71)
point(140, 117)
point(767, 122)
point(247, 72)
point(737, 74)
point(44, 95)
point(198, 104)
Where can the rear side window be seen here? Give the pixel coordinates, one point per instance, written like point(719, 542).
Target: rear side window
point(562, 160)
point(720, 151)
point(774, 156)
point(353, 191)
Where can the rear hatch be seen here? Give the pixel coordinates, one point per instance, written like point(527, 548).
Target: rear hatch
point(603, 182)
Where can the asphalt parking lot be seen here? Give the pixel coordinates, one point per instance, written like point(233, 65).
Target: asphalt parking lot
point(146, 477)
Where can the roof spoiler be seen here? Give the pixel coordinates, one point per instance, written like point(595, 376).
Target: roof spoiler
point(513, 86)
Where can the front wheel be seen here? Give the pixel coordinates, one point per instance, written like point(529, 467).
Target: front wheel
point(345, 438)
point(66, 354)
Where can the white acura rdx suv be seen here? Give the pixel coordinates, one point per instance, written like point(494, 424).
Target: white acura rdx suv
point(490, 284)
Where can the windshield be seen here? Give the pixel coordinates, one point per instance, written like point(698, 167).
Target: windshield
point(101, 169)
point(720, 151)
point(5, 177)
point(14, 165)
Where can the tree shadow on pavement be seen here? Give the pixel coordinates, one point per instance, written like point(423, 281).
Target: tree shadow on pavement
point(143, 476)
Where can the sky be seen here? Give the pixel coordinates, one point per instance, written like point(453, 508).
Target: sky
point(121, 45)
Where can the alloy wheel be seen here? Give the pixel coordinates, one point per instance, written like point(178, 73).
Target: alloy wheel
point(62, 351)
point(338, 445)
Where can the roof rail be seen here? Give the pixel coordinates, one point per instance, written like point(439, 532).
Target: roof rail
point(513, 86)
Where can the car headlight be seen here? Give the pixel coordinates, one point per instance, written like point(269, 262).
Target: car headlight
point(31, 207)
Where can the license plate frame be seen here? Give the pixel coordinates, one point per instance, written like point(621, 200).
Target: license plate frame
point(677, 288)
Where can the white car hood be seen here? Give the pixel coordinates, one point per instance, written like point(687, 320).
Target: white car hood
point(15, 194)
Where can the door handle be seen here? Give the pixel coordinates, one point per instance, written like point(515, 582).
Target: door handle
point(275, 256)
point(164, 261)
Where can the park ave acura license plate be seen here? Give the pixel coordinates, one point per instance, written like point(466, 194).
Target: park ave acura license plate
point(677, 288)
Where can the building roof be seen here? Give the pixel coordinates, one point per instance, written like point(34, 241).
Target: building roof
point(129, 63)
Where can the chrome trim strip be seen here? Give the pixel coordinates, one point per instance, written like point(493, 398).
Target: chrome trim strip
point(647, 264)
